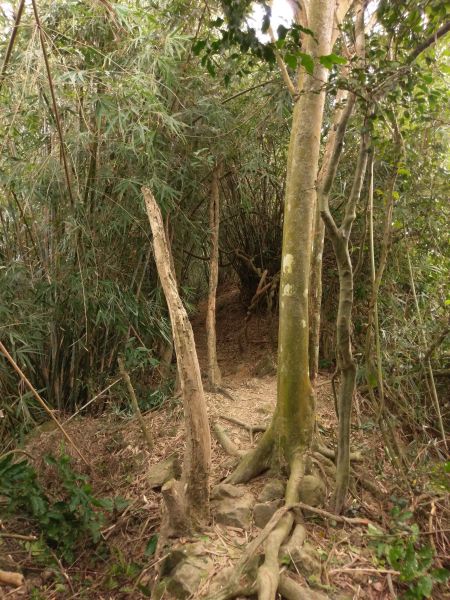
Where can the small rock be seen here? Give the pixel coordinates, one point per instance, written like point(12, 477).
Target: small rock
point(160, 473)
point(312, 491)
point(248, 578)
point(233, 505)
point(226, 490)
point(266, 409)
point(263, 512)
point(273, 490)
point(265, 366)
point(183, 570)
point(187, 576)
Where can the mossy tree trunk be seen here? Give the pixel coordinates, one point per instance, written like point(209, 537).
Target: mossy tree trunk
point(291, 432)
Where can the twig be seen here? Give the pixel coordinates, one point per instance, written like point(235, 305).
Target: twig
point(18, 536)
point(92, 400)
point(364, 570)
point(9, 578)
point(338, 518)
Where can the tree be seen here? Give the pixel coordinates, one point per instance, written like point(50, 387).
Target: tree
point(188, 500)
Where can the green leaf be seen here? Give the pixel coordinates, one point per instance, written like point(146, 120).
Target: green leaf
point(217, 22)
point(281, 32)
point(372, 530)
point(291, 60)
point(440, 575)
point(424, 586)
point(328, 60)
point(198, 47)
point(307, 61)
point(151, 546)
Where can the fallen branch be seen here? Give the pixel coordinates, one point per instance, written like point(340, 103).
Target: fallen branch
point(364, 570)
point(18, 536)
point(10, 578)
point(338, 518)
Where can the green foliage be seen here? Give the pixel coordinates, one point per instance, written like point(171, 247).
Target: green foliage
point(151, 546)
point(65, 523)
point(404, 551)
point(121, 572)
point(240, 42)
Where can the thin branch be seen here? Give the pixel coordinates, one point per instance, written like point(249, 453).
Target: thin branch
point(428, 42)
point(137, 411)
point(282, 66)
point(250, 89)
point(437, 342)
point(390, 82)
point(358, 181)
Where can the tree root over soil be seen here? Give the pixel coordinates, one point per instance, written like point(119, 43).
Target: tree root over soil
point(269, 580)
point(277, 530)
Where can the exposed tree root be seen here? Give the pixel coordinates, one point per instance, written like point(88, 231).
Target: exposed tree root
point(330, 453)
point(255, 462)
point(251, 428)
point(234, 587)
point(291, 590)
point(225, 441)
point(268, 579)
point(269, 572)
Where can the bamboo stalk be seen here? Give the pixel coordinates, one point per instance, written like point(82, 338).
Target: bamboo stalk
point(137, 411)
point(41, 401)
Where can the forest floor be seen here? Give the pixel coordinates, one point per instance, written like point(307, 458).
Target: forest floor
point(121, 463)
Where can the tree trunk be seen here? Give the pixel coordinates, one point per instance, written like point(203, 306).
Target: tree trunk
point(293, 423)
point(197, 458)
point(345, 362)
point(345, 103)
point(214, 376)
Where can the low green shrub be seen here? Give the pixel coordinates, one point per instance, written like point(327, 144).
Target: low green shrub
point(404, 551)
point(64, 524)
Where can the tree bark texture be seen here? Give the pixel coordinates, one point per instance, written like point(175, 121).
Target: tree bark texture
point(197, 458)
point(345, 361)
point(214, 375)
point(295, 406)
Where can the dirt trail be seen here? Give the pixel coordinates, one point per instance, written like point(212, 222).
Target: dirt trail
point(246, 352)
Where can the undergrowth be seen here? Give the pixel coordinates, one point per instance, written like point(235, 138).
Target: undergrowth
point(64, 524)
point(404, 550)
